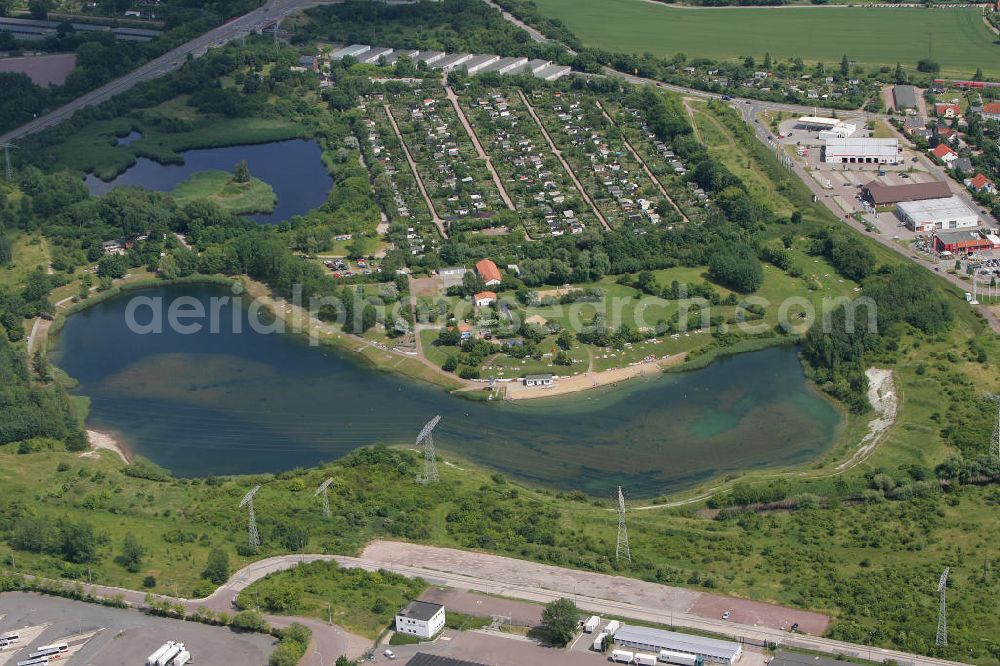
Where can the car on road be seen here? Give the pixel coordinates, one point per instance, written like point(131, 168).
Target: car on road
point(725, 616)
point(389, 654)
point(795, 627)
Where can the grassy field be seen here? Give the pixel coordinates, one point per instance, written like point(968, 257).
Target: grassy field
point(219, 186)
point(871, 36)
point(30, 252)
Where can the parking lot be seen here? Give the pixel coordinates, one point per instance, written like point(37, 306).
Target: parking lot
point(100, 636)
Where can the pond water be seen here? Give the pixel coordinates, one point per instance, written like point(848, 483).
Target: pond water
point(293, 168)
point(128, 138)
point(228, 402)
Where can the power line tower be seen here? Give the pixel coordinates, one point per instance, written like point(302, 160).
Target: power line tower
point(247, 501)
point(622, 549)
point(7, 147)
point(324, 491)
point(426, 437)
point(942, 628)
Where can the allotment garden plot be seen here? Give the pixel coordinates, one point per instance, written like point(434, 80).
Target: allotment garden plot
point(456, 179)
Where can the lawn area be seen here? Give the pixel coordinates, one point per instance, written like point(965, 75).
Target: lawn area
point(30, 252)
point(255, 196)
point(871, 36)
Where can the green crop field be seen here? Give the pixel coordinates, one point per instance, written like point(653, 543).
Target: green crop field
point(871, 36)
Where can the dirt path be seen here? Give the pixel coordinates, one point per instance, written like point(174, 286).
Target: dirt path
point(882, 396)
point(694, 123)
point(107, 442)
point(479, 147)
point(416, 174)
point(645, 167)
point(559, 156)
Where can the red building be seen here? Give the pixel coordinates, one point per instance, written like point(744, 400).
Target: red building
point(489, 271)
point(958, 242)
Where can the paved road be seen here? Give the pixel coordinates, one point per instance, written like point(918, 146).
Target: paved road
point(451, 568)
point(271, 12)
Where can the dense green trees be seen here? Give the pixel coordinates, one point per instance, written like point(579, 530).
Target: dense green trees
point(561, 619)
point(217, 568)
point(736, 267)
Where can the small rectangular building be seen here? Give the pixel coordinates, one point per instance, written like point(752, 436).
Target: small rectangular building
point(937, 214)
point(657, 640)
point(420, 618)
point(904, 97)
point(960, 242)
point(553, 72)
point(452, 271)
point(539, 380)
point(861, 151)
point(880, 194)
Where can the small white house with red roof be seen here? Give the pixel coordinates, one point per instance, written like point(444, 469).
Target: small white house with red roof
point(947, 110)
point(484, 298)
point(944, 153)
point(980, 183)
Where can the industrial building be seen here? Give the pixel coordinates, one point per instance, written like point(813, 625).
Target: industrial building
point(479, 62)
point(862, 151)
point(352, 51)
point(829, 128)
point(420, 618)
point(659, 641)
point(957, 242)
point(36, 30)
point(937, 214)
point(471, 63)
point(879, 194)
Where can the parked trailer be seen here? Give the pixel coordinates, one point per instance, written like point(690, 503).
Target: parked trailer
point(37, 661)
point(591, 624)
point(162, 650)
point(622, 656)
point(10, 637)
point(612, 627)
point(181, 659)
point(599, 641)
point(642, 659)
point(682, 658)
point(167, 656)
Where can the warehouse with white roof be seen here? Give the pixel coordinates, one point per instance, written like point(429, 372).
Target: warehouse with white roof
point(937, 214)
point(862, 151)
point(659, 641)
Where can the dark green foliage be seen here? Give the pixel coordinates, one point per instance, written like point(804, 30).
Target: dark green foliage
point(736, 267)
point(846, 252)
point(560, 619)
point(217, 568)
point(131, 554)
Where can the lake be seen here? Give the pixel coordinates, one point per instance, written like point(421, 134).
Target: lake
point(293, 168)
point(230, 403)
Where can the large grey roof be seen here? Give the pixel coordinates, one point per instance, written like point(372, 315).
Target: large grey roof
point(905, 97)
point(420, 610)
point(424, 659)
point(671, 640)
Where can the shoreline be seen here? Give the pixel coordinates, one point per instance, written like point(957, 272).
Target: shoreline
point(515, 390)
point(103, 441)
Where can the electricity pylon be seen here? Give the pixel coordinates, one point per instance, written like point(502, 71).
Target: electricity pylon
point(252, 536)
point(426, 437)
point(324, 491)
point(942, 629)
point(621, 549)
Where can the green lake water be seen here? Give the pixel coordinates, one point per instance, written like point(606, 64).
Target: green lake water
point(229, 403)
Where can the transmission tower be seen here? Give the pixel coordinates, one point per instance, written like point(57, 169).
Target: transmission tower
point(426, 437)
point(324, 491)
point(247, 501)
point(7, 147)
point(942, 629)
point(622, 549)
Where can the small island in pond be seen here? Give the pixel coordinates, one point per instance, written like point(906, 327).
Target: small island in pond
point(238, 192)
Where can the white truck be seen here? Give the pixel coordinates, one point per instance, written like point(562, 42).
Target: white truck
point(181, 659)
point(622, 656)
point(599, 641)
point(642, 659)
point(591, 624)
point(151, 659)
point(612, 627)
point(681, 658)
point(169, 655)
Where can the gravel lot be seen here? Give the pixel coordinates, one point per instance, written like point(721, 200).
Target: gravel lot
point(124, 637)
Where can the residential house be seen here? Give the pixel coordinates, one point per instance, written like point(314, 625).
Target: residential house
point(944, 153)
point(489, 272)
point(947, 110)
point(991, 111)
point(483, 299)
point(981, 183)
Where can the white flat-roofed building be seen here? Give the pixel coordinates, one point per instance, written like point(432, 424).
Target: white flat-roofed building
point(371, 56)
point(937, 214)
point(504, 65)
point(552, 72)
point(657, 640)
point(399, 53)
point(862, 151)
point(420, 618)
point(450, 62)
point(838, 131)
point(430, 57)
point(476, 63)
point(817, 122)
point(533, 66)
point(354, 50)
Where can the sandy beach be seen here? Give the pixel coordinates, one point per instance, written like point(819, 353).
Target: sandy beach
point(102, 440)
point(589, 380)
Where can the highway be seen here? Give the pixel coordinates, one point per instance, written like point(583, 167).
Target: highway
point(254, 21)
